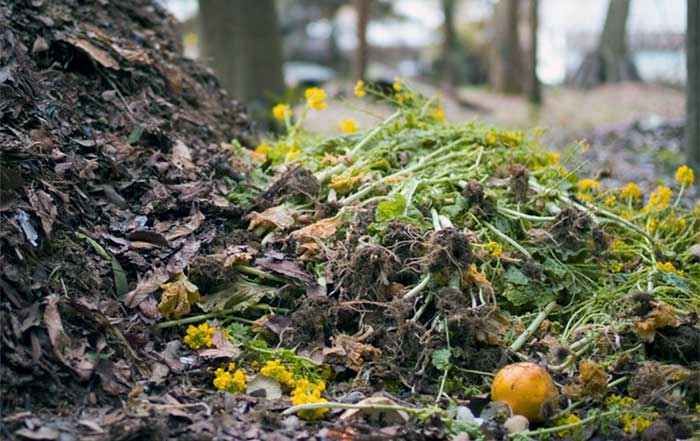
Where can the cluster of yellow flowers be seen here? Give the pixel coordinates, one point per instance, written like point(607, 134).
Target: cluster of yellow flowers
point(634, 424)
point(684, 176)
point(230, 379)
point(668, 267)
point(631, 191)
point(659, 199)
point(494, 248)
point(282, 112)
point(586, 185)
point(631, 423)
point(569, 419)
point(306, 392)
point(198, 337)
point(490, 139)
point(315, 98)
point(671, 224)
point(275, 369)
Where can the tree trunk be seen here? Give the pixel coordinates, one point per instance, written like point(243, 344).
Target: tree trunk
point(610, 62)
point(534, 93)
point(692, 47)
point(241, 42)
point(505, 67)
point(361, 53)
point(449, 43)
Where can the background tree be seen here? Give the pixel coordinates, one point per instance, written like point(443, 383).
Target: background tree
point(505, 69)
point(693, 85)
point(361, 53)
point(534, 93)
point(610, 62)
point(450, 46)
point(241, 42)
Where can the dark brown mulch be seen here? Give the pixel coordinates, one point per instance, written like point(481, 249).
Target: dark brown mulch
point(112, 179)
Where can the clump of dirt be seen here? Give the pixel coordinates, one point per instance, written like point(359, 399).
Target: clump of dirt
point(308, 323)
point(407, 243)
point(477, 200)
point(368, 273)
point(297, 184)
point(519, 186)
point(449, 250)
point(676, 345)
point(570, 227)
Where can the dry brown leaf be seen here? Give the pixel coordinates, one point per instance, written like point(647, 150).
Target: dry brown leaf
point(591, 383)
point(73, 357)
point(177, 297)
point(239, 254)
point(223, 348)
point(181, 156)
point(350, 351)
point(99, 55)
point(44, 207)
point(322, 229)
point(661, 316)
point(274, 217)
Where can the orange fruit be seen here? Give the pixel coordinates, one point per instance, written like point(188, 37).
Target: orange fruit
point(527, 388)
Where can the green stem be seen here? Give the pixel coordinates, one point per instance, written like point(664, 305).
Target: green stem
point(523, 338)
point(202, 317)
point(513, 243)
point(259, 273)
point(335, 405)
point(418, 288)
point(546, 430)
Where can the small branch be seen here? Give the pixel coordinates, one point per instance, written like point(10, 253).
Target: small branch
point(525, 336)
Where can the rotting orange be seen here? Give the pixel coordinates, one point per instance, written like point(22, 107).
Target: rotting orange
point(527, 388)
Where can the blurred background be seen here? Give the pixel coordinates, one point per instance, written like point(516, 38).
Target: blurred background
point(612, 71)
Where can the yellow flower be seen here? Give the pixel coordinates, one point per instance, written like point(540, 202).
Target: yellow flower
point(315, 98)
point(304, 393)
point(616, 266)
point(199, 336)
point(652, 226)
point(584, 197)
point(635, 424)
point(293, 152)
point(569, 419)
point(397, 85)
point(348, 125)
point(617, 400)
point(359, 89)
point(491, 139)
point(661, 198)
point(494, 248)
point(684, 176)
point(262, 148)
point(233, 382)
point(588, 185)
point(668, 267)
point(281, 112)
point(552, 158)
point(438, 114)
point(275, 369)
point(610, 201)
point(631, 191)
point(563, 171)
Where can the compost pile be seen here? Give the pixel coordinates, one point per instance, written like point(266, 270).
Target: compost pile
point(162, 279)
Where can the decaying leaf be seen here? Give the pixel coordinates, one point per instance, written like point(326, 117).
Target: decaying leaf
point(71, 355)
point(178, 296)
point(344, 184)
point(99, 55)
point(239, 254)
point(44, 207)
point(387, 415)
point(272, 218)
point(237, 296)
point(661, 316)
point(223, 348)
point(592, 383)
point(322, 229)
point(349, 350)
point(308, 247)
point(181, 157)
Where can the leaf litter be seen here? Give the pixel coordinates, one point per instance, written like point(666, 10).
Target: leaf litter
point(375, 280)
